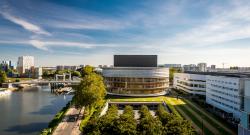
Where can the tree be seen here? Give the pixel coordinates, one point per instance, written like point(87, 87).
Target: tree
point(91, 91)
point(3, 77)
point(172, 124)
point(106, 123)
point(87, 70)
point(171, 74)
point(76, 73)
point(126, 124)
point(148, 124)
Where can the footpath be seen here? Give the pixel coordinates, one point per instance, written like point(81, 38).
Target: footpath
point(70, 123)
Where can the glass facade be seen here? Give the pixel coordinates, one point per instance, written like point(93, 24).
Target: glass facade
point(144, 82)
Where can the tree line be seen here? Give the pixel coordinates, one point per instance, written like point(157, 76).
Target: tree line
point(163, 123)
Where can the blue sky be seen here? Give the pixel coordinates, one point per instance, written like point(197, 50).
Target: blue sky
point(73, 32)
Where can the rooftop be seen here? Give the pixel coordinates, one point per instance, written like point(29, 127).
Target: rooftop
point(228, 74)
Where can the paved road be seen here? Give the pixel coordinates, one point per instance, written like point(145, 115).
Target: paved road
point(69, 126)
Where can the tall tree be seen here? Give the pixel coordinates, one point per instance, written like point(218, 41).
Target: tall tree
point(148, 124)
point(91, 91)
point(106, 123)
point(126, 124)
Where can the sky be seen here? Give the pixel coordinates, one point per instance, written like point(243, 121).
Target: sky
point(74, 32)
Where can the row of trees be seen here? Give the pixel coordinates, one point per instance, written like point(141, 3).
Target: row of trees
point(163, 124)
point(51, 74)
point(79, 72)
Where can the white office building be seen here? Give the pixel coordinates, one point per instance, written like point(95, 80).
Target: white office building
point(224, 92)
point(244, 126)
point(24, 63)
point(190, 83)
point(227, 93)
point(202, 67)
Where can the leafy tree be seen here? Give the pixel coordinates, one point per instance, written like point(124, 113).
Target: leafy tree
point(126, 124)
point(76, 73)
point(172, 124)
point(171, 73)
point(179, 126)
point(49, 74)
point(3, 77)
point(148, 124)
point(87, 70)
point(106, 123)
point(91, 91)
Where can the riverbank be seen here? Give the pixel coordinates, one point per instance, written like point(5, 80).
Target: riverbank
point(56, 120)
point(4, 92)
point(36, 106)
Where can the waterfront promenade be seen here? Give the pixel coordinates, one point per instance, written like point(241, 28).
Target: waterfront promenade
point(70, 123)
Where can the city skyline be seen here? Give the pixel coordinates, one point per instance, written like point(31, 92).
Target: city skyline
point(91, 32)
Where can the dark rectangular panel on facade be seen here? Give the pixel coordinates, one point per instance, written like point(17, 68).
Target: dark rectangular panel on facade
point(135, 60)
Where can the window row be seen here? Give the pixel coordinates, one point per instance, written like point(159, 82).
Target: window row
point(223, 82)
point(226, 105)
point(224, 93)
point(222, 87)
point(225, 99)
point(191, 85)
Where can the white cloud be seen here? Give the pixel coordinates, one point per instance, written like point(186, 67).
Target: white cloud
point(43, 45)
point(25, 24)
point(38, 44)
point(225, 24)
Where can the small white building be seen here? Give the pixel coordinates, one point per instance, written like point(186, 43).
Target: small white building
point(190, 83)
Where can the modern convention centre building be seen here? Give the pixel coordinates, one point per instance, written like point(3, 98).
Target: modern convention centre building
point(136, 75)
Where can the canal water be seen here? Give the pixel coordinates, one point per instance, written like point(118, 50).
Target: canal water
point(29, 111)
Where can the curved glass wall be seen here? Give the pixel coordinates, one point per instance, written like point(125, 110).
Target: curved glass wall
point(151, 82)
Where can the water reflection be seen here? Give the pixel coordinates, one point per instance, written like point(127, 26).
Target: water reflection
point(29, 111)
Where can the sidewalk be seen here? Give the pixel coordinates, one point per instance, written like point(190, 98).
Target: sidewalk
point(69, 126)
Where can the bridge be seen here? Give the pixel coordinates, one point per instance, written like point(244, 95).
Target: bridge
point(46, 82)
point(41, 82)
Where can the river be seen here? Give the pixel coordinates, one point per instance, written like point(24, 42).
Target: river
point(29, 111)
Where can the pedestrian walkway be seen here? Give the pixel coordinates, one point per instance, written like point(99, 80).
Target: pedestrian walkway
point(70, 123)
